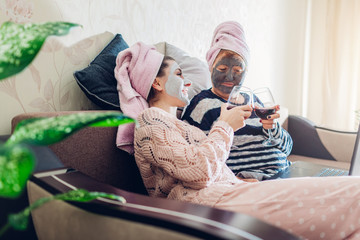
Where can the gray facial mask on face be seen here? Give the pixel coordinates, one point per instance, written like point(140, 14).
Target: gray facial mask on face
point(175, 85)
point(219, 77)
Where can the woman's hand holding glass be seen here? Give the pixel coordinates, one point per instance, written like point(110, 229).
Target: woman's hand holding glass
point(236, 116)
point(270, 122)
point(238, 108)
point(266, 109)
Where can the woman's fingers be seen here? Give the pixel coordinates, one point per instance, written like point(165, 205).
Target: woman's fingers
point(224, 106)
point(234, 116)
point(273, 116)
point(245, 111)
point(270, 123)
point(246, 108)
point(269, 126)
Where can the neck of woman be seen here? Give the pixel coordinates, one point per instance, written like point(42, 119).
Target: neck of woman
point(220, 94)
point(164, 106)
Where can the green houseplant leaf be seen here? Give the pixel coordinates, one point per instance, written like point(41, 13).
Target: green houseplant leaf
point(45, 131)
point(17, 161)
point(20, 43)
point(16, 164)
point(19, 221)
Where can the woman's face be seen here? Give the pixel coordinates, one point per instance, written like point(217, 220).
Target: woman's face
point(176, 85)
point(228, 71)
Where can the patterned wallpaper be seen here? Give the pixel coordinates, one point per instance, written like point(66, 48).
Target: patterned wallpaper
point(274, 31)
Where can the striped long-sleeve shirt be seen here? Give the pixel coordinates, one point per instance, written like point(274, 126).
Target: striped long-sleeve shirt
point(248, 156)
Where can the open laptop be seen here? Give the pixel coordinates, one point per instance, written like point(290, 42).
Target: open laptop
point(307, 169)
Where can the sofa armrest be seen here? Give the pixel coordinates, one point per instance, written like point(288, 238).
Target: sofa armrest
point(141, 217)
point(93, 151)
point(317, 142)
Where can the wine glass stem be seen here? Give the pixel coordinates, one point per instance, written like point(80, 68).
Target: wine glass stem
point(270, 134)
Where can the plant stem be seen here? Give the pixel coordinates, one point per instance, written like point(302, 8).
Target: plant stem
point(18, 221)
point(4, 229)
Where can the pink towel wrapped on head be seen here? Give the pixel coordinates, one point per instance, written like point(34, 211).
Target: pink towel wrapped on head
point(135, 71)
point(229, 36)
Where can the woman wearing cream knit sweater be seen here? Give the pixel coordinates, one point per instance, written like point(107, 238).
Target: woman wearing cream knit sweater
point(178, 161)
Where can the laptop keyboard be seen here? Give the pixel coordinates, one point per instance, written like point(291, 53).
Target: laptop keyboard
point(326, 172)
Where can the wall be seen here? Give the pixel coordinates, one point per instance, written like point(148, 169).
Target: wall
point(274, 29)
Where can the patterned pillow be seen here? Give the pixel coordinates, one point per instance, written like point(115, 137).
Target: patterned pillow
point(98, 81)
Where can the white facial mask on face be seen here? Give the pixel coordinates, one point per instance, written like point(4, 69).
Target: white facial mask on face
point(175, 85)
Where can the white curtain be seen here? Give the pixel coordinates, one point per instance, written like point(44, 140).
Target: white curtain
point(332, 92)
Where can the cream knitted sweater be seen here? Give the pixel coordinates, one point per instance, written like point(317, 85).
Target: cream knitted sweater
point(178, 161)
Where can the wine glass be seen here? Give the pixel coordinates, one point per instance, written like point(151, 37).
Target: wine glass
point(264, 105)
point(240, 96)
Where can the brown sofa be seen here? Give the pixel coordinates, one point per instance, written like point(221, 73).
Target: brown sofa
point(100, 166)
point(141, 217)
point(93, 162)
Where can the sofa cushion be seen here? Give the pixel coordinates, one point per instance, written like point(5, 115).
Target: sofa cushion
point(98, 157)
point(98, 81)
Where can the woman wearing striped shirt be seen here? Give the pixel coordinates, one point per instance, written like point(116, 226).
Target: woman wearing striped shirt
point(228, 60)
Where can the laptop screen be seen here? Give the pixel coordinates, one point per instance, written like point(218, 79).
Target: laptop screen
point(355, 161)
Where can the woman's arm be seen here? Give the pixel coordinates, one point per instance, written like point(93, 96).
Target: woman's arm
point(278, 132)
point(196, 159)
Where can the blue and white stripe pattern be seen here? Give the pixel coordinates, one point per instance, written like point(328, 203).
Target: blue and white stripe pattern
point(248, 156)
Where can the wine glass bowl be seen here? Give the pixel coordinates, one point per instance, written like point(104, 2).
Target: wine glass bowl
point(264, 112)
point(240, 96)
point(264, 105)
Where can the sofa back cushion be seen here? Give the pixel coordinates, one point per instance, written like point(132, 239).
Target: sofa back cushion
point(92, 151)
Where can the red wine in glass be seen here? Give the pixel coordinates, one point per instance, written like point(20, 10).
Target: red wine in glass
point(230, 107)
point(264, 112)
point(263, 107)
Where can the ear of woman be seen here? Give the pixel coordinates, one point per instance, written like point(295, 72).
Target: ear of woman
point(156, 85)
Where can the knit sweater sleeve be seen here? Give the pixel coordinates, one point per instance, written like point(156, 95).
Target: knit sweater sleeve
point(183, 151)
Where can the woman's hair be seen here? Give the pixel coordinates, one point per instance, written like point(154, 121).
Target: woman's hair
point(164, 65)
point(160, 73)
